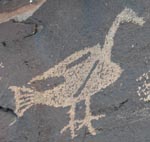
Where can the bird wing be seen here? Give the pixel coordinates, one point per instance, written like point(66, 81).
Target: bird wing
point(69, 63)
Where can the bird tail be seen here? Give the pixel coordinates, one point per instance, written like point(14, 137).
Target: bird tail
point(23, 99)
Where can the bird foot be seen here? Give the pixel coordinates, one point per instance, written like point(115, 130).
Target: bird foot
point(87, 122)
point(78, 124)
point(72, 126)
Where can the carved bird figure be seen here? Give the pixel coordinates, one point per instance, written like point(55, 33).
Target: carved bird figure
point(83, 74)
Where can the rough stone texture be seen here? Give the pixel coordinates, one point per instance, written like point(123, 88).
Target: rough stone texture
point(64, 27)
point(8, 5)
point(6, 119)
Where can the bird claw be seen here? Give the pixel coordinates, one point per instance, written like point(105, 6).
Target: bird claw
point(87, 122)
point(72, 127)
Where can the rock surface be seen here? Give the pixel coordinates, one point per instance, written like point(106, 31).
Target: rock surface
point(8, 5)
point(33, 51)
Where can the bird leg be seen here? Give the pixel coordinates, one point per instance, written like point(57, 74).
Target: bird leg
point(72, 123)
point(88, 117)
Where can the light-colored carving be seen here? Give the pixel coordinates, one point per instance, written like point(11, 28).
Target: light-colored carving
point(82, 80)
point(144, 89)
point(1, 66)
point(22, 13)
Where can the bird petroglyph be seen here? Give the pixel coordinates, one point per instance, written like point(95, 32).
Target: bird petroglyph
point(81, 79)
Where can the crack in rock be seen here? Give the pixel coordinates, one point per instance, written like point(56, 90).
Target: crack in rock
point(36, 27)
point(8, 110)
